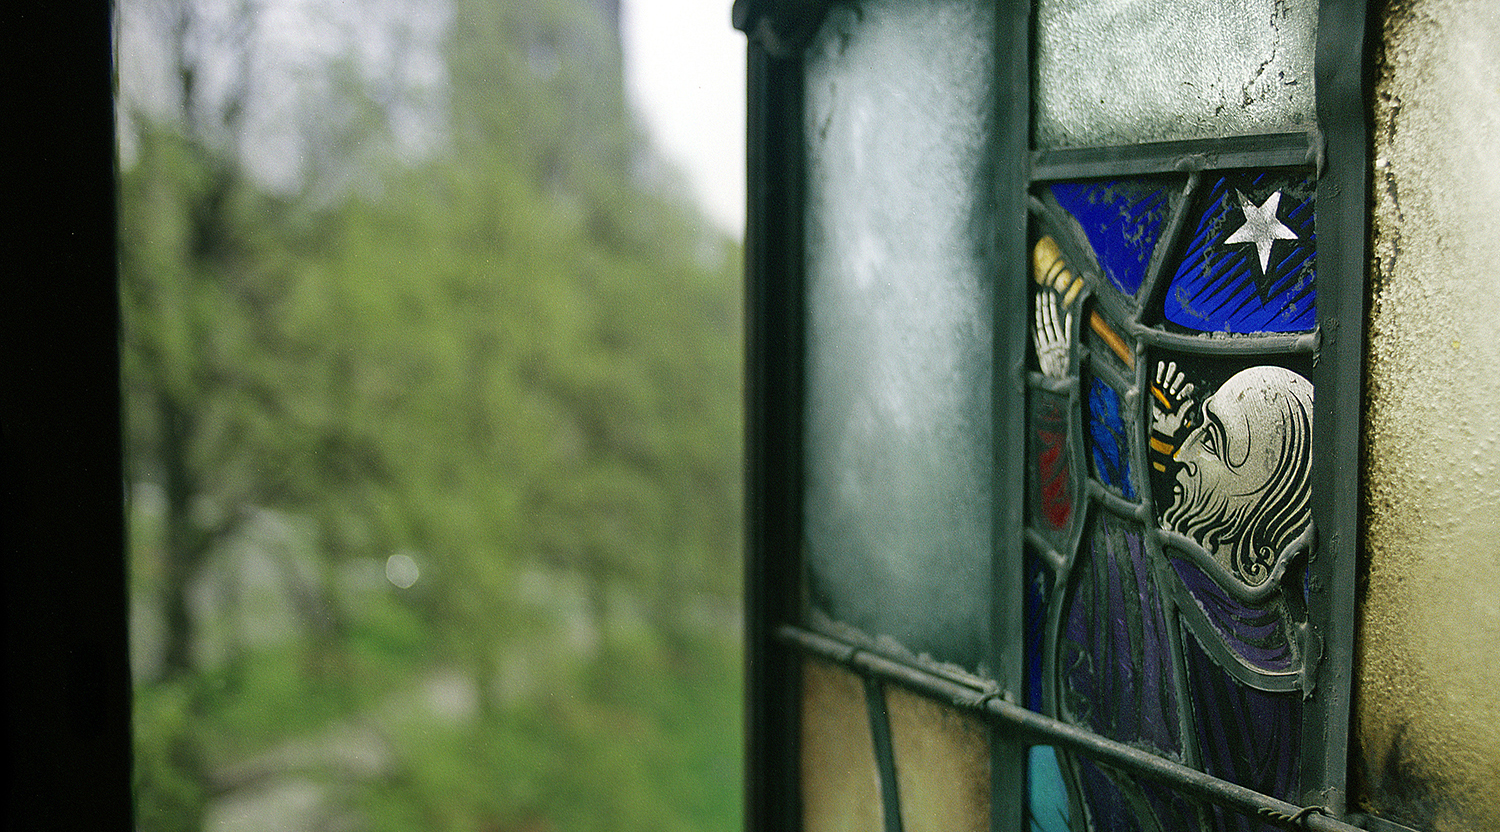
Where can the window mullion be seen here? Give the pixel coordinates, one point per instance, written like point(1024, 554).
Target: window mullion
point(1011, 155)
point(1338, 375)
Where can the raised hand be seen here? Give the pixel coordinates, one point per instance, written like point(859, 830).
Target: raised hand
point(1170, 394)
point(1053, 334)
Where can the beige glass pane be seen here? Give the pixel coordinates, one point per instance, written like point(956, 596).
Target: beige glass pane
point(840, 783)
point(1427, 711)
point(942, 765)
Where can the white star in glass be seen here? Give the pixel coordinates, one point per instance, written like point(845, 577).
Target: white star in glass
point(1261, 227)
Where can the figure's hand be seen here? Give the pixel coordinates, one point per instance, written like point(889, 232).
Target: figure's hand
point(1053, 334)
point(1169, 399)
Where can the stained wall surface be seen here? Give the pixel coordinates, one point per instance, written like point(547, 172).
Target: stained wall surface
point(1428, 684)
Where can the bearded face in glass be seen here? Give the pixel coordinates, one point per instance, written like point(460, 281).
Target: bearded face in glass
point(1242, 491)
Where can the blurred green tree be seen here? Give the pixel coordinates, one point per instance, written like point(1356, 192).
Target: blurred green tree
point(509, 356)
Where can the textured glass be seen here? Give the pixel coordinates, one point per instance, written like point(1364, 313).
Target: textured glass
point(1255, 634)
point(942, 765)
point(898, 336)
point(1117, 802)
point(1247, 265)
point(1427, 684)
point(1116, 665)
point(1122, 220)
point(1052, 488)
point(1109, 443)
point(1114, 72)
point(1106, 344)
point(840, 783)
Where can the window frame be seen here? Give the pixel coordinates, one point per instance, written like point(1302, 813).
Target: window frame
point(1337, 148)
point(68, 683)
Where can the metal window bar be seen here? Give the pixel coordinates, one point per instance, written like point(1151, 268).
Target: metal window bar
point(1019, 722)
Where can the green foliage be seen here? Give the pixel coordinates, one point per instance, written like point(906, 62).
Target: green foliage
point(514, 364)
point(634, 741)
point(169, 793)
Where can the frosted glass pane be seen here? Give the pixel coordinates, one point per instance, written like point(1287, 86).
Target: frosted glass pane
point(1112, 72)
point(898, 336)
point(942, 765)
point(840, 783)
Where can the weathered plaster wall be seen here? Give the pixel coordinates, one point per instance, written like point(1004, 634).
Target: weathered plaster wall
point(1428, 684)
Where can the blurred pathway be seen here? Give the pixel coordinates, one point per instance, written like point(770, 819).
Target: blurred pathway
point(305, 784)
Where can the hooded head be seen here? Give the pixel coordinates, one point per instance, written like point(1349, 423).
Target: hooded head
point(1243, 488)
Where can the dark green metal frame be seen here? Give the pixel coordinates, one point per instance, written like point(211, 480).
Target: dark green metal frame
point(1338, 149)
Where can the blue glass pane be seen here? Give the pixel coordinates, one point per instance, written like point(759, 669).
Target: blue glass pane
point(1122, 220)
point(1038, 592)
point(1248, 266)
point(1110, 444)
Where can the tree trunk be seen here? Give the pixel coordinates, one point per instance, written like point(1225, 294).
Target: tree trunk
point(186, 545)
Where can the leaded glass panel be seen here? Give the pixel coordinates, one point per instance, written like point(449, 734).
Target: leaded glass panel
point(1165, 608)
point(942, 763)
point(840, 780)
point(1247, 263)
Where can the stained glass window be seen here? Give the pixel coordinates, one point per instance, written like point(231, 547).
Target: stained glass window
point(1046, 297)
point(1168, 605)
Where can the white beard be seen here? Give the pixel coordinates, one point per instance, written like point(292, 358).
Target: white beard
point(1219, 524)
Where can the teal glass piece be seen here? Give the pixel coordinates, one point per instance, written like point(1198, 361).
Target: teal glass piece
point(898, 454)
point(1116, 72)
point(1047, 799)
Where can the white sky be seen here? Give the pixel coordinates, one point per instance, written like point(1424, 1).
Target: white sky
point(685, 75)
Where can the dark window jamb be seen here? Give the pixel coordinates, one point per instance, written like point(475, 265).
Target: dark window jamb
point(67, 676)
point(773, 425)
